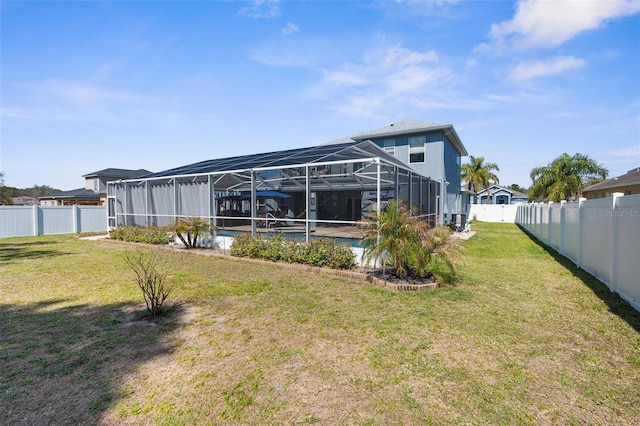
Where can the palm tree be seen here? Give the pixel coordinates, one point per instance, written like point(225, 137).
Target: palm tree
point(478, 175)
point(392, 237)
point(397, 237)
point(565, 177)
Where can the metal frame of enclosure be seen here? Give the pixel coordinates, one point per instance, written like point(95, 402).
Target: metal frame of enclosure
point(334, 185)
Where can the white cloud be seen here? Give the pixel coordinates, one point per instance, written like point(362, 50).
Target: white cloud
point(384, 79)
point(14, 113)
point(471, 63)
point(290, 28)
point(399, 57)
point(544, 23)
point(427, 2)
point(533, 69)
point(633, 151)
point(261, 9)
point(344, 78)
point(74, 101)
point(414, 78)
point(81, 93)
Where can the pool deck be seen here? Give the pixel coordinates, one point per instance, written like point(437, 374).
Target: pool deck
point(341, 231)
point(335, 231)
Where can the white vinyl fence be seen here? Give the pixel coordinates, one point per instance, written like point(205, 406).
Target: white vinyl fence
point(601, 236)
point(493, 212)
point(22, 221)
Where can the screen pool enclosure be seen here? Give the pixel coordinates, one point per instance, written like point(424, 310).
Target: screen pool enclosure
point(326, 190)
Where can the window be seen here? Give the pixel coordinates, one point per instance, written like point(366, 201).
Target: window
point(389, 145)
point(417, 149)
point(95, 184)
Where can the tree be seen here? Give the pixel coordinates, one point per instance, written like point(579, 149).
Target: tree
point(5, 197)
point(39, 191)
point(151, 269)
point(565, 177)
point(516, 187)
point(478, 175)
point(397, 238)
point(188, 230)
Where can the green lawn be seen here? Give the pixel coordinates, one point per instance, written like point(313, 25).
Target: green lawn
point(523, 338)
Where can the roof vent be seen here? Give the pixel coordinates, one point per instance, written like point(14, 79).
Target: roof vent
point(391, 124)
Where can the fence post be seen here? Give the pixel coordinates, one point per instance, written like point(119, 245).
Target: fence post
point(74, 218)
point(35, 220)
point(539, 224)
point(613, 276)
point(561, 230)
point(549, 214)
point(580, 232)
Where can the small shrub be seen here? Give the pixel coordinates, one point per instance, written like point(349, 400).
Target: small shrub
point(136, 234)
point(322, 252)
point(189, 230)
point(151, 268)
point(329, 253)
point(396, 237)
point(443, 270)
point(246, 245)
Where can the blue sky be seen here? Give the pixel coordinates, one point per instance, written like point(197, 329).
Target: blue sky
point(159, 84)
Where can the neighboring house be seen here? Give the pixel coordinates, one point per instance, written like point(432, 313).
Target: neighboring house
point(502, 195)
point(332, 185)
point(94, 192)
point(24, 201)
point(628, 184)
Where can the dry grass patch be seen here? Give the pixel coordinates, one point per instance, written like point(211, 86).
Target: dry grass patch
point(523, 339)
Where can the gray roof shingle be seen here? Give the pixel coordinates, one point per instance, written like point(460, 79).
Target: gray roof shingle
point(74, 193)
point(118, 173)
point(406, 128)
point(632, 177)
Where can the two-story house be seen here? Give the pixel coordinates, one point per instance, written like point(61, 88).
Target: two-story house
point(317, 188)
point(430, 149)
point(94, 192)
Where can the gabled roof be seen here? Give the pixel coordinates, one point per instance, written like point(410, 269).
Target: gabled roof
point(632, 177)
point(409, 127)
point(74, 193)
point(514, 194)
point(118, 173)
point(287, 158)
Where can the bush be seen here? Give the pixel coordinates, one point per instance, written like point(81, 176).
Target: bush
point(329, 253)
point(135, 234)
point(188, 230)
point(322, 252)
point(151, 268)
point(246, 245)
point(396, 237)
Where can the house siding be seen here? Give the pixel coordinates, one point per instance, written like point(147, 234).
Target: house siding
point(632, 189)
point(442, 163)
